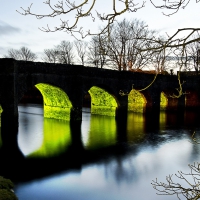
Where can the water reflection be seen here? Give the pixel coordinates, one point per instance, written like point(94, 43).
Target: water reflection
point(119, 178)
point(191, 118)
point(178, 119)
point(56, 138)
point(41, 137)
point(100, 133)
point(30, 133)
point(162, 120)
point(121, 170)
point(135, 127)
point(125, 174)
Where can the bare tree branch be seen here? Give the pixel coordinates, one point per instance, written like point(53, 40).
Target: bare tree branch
point(173, 6)
point(188, 187)
point(66, 7)
point(174, 41)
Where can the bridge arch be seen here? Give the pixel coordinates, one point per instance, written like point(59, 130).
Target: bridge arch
point(163, 101)
point(102, 102)
point(55, 101)
point(136, 101)
point(1, 110)
point(167, 101)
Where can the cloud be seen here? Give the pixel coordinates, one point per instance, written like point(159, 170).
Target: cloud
point(2, 52)
point(6, 29)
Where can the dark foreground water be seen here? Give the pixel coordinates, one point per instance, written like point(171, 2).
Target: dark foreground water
point(101, 159)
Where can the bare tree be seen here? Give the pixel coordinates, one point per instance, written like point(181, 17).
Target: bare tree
point(193, 53)
point(96, 54)
point(81, 48)
point(124, 44)
point(62, 53)
point(50, 55)
point(26, 54)
point(22, 54)
point(65, 52)
point(163, 61)
point(13, 53)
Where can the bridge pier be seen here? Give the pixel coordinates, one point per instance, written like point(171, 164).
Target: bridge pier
point(122, 109)
point(76, 113)
point(121, 118)
point(8, 97)
point(9, 104)
point(74, 90)
point(152, 95)
point(181, 103)
point(9, 132)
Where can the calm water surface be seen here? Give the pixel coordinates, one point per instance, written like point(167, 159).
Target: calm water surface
point(114, 165)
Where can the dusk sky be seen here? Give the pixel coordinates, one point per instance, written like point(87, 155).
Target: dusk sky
point(17, 30)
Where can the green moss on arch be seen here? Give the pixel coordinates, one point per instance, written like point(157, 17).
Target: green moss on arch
point(56, 102)
point(163, 101)
point(1, 109)
point(136, 101)
point(102, 103)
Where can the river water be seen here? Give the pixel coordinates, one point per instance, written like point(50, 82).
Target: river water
point(102, 163)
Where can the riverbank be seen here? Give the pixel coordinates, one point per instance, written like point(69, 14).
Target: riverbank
point(6, 189)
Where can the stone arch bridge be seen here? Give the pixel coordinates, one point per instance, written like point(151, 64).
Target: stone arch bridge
point(64, 86)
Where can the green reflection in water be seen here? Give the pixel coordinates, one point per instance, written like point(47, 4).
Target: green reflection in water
point(162, 120)
point(56, 102)
point(56, 138)
point(163, 101)
point(102, 103)
point(102, 132)
point(136, 101)
point(135, 127)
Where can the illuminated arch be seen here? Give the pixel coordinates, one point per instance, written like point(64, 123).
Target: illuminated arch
point(102, 103)
point(163, 101)
point(136, 101)
point(56, 102)
point(1, 110)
